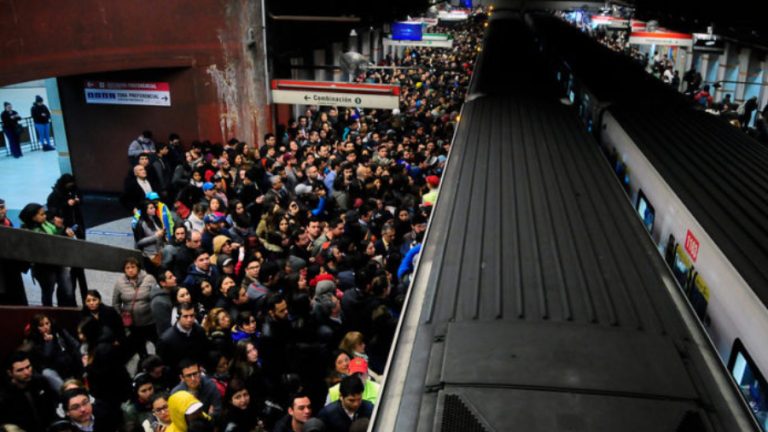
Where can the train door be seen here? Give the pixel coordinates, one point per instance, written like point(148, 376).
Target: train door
point(750, 381)
point(698, 294)
point(681, 268)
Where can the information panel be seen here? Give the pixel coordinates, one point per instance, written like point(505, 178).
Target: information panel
point(128, 93)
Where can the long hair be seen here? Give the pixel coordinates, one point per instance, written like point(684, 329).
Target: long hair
point(27, 215)
point(151, 219)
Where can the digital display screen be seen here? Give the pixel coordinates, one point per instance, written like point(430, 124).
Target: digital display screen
point(406, 31)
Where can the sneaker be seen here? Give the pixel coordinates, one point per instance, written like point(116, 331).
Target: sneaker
point(49, 148)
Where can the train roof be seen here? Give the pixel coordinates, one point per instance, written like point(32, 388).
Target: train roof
point(540, 302)
point(718, 172)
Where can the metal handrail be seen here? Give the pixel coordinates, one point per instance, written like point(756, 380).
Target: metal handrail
point(28, 124)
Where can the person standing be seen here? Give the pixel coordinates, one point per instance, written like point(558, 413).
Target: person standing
point(65, 199)
point(10, 119)
point(41, 116)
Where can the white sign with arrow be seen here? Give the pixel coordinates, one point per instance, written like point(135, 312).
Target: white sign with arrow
point(122, 93)
point(335, 94)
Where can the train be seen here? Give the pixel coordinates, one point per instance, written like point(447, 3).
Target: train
point(539, 301)
point(698, 184)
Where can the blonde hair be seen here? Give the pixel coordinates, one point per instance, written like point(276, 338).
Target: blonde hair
point(350, 341)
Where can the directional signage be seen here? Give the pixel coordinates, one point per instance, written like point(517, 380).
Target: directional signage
point(124, 93)
point(692, 245)
point(336, 94)
point(664, 38)
point(426, 42)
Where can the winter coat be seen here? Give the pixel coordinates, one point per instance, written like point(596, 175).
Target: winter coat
point(147, 240)
point(124, 293)
point(161, 305)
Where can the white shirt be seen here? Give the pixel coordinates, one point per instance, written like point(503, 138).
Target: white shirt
point(144, 184)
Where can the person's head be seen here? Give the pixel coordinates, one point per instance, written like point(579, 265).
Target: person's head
point(186, 316)
point(182, 295)
point(353, 342)
point(247, 322)
point(7, 106)
point(159, 404)
point(167, 279)
point(194, 240)
point(140, 172)
point(351, 391)
point(131, 267)
point(153, 366)
point(179, 234)
point(143, 389)
point(341, 362)
point(41, 324)
point(3, 210)
point(313, 228)
point(32, 215)
point(226, 284)
point(92, 300)
point(300, 408)
point(237, 395)
point(190, 373)
point(277, 307)
point(277, 182)
point(220, 318)
point(252, 269)
point(203, 261)
point(238, 295)
point(77, 405)
point(18, 366)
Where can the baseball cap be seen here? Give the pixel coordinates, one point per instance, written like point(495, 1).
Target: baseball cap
point(153, 196)
point(212, 218)
point(433, 180)
point(228, 261)
point(358, 365)
point(207, 186)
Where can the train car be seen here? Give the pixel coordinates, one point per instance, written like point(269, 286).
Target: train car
point(539, 302)
point(700, 187)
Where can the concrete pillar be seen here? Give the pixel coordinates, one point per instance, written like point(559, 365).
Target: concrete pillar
point(682, 60)
point(319, 60)
point(726, 59)
point(296, 74)
point(763, 98)
point(743, 64)
point(57, 124)
point(366, 43)
point(376, 46)
point(337, 51)
point(353, 43)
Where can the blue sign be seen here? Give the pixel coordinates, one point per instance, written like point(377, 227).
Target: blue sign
point(406, 31)
point(467, 4)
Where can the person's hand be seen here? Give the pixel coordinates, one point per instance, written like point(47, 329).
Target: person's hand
point(236, 245)
point(71, 202)
point(260, 199)
point(69, 232)
point(160, 233)
point(48, 337)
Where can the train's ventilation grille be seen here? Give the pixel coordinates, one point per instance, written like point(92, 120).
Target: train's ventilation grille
point(458, 417)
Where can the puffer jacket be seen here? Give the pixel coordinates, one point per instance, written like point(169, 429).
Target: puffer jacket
point(124, 293)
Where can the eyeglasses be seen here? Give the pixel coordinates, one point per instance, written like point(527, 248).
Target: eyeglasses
point(192, 375)
point(77, 407)
point(161, 409)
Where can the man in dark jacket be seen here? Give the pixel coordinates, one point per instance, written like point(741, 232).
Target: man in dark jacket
point(299, 413)
point(185, 254)
point(186, 339)
point(10, 120)
point(338, 416)
point(160, 300)
point(27, 400)
point(199, 271)
point(85, 415)
point(41, 116)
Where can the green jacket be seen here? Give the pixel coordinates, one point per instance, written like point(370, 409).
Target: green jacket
point(370, 393)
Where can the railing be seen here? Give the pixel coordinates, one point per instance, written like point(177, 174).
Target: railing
point(27, 137)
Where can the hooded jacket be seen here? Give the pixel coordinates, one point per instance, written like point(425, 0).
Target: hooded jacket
point(178, 404)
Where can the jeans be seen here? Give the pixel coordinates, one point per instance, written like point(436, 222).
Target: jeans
point(12, 138)
point(43, 131)
point(51, 276)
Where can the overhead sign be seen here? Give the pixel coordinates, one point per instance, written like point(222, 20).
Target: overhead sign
point(638, 25)
point(692, 245)
point(710, 43)
point(406, 30)
point(128, 93)
point(609, 21)
point(425, 42)
point(454, 15)
point(661, 38)
point(329, 93)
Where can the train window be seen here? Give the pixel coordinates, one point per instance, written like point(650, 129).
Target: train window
point(681, 267)
point(645, 210)
point(750, 381)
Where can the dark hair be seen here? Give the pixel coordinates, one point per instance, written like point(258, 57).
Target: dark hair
point(147, 134)
point(69, 394)
point(28, 213)
point(173, 136)
point(94, 293)
point(151, 362)
point(139, 380)
point(235, 385)
point(274, 300)
point(188, 362)
point(132, 260)
point(243, 317)
point(15, 357)
point(351, 385)
point(187, 306)
point(298, 395)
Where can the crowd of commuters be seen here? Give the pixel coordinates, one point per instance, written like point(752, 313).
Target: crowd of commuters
point(271, 277)
point(745, 116)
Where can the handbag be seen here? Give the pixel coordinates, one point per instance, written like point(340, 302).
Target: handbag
point(127, 316)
